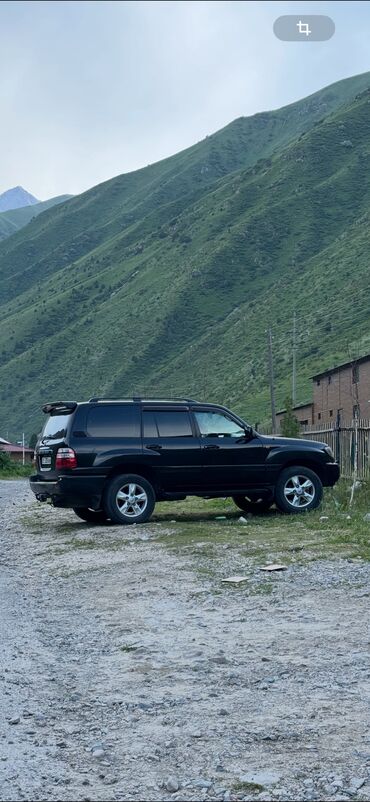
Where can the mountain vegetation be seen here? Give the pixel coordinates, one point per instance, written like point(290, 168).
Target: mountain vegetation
point(14, 219)
point(165, 280)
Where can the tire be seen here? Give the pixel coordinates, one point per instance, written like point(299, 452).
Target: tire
point(298, 489)
point(117, 497)
point(255, 507)
point(91, 516)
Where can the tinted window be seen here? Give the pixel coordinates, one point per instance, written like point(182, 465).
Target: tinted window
point(113, 421)
point(173, 424)
point(218, 425)
point(149, 425)
point(55, 426)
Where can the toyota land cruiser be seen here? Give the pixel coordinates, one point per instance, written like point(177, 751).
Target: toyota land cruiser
point(114, 459)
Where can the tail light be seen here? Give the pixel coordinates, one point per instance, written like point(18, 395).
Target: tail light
point(66, 458)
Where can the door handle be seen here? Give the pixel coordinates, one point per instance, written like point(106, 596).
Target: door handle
point(154, 447)
point(211, 448)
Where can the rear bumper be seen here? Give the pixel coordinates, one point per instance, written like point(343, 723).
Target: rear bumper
point(69, 491)
point(332, 474)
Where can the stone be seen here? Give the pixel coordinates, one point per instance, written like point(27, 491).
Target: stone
point(14, 720)
point(260, 777)
point(98, 753)
point(242, 520)
point(367, 517)
point(202, 784)
point(355, 784)
point(235, 580)
point(172, 785)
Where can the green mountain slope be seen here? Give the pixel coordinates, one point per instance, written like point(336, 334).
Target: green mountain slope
point(165, 280)
point(15, 219)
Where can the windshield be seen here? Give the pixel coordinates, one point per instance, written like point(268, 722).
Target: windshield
point(55, 427)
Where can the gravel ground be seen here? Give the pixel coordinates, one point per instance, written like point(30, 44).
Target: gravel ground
point(126, 674)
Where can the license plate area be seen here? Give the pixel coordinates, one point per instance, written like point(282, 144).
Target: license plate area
point(45, 463)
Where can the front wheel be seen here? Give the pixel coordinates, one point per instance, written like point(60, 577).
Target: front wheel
point(298, 489)
point(91, 516)
point(129, 499)
point(248, 505)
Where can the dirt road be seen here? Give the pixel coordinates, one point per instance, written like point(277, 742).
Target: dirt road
point(126, 673)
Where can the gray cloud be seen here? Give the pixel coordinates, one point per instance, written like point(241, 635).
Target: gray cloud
point(92, 89)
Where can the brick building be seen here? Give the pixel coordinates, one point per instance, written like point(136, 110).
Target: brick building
point(344, 389)
point(303, 413)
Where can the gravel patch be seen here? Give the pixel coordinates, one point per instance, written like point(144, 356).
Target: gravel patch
point(126, 674)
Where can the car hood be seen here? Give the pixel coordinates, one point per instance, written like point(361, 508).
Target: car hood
point(299, 442)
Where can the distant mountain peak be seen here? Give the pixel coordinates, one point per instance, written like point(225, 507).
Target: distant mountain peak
point(16, 198)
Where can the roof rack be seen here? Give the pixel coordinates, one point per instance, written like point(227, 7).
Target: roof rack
point(139, 398)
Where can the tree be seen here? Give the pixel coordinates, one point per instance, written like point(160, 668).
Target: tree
point(33, 441)
point(289, 425)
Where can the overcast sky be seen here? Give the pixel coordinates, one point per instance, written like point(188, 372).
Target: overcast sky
point(92, 89)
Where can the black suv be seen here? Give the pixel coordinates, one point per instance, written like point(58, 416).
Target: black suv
point(113, 459)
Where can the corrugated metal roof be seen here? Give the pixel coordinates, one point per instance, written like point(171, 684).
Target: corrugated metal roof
point(11, 448)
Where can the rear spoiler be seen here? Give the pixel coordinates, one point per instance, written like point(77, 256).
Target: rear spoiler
point(58, 407)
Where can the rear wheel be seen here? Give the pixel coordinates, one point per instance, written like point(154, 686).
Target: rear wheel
point(248, 505)
point(91, 516)
point(298, 489)
point(129, 499)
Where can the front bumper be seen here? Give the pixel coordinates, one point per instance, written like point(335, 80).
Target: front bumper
point(69, 491)
point(332, 474)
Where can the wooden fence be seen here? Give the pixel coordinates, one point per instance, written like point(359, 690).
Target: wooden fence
point(350, 442)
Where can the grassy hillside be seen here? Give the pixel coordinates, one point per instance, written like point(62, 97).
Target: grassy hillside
point(11, 221)
point(166, 279)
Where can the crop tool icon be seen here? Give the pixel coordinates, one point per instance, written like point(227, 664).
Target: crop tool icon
point(303, 27)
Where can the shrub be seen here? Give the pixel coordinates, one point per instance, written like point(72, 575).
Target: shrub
point(289, 425)
point(5, 461)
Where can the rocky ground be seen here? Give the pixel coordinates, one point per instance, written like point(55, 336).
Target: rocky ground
point(129, 671)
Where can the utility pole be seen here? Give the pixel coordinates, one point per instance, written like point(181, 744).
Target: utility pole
point(294, 367)
point(23, 455)
point(271, 378)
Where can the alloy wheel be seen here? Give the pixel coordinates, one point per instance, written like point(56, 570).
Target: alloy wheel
point(299, 491)
point(131, 500)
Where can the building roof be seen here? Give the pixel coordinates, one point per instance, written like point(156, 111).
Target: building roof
point(11, 448)
point(297, 406)
point(343, 365)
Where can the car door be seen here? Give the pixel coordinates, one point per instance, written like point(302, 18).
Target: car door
point(172, 447)
point(231, 457)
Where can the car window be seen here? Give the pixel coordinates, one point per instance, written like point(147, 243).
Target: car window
point(173, 424)
point(149, 424)
point(113, 421)
point(55, 427)
point(217, 425)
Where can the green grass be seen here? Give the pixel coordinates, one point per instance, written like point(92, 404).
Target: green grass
point(247, 787)
point(273, 537)
point(16, 471)
point(165, 280)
